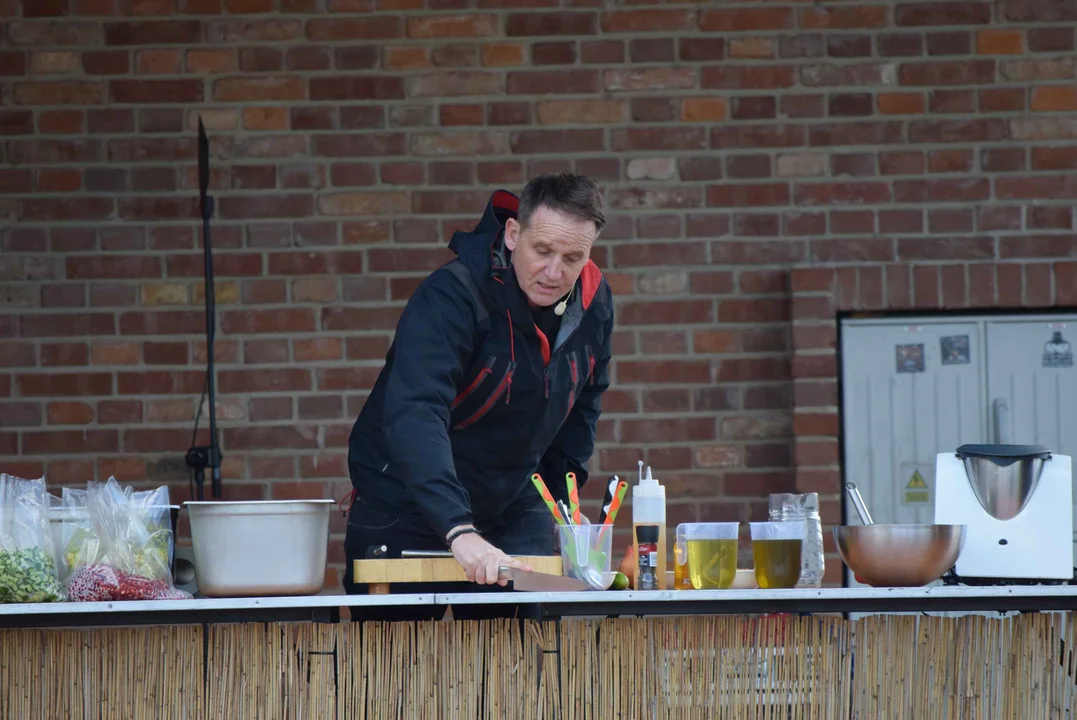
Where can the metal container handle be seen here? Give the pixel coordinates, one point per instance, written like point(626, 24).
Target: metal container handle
point(1002, 421)
point(426, 553)
point(858, 503)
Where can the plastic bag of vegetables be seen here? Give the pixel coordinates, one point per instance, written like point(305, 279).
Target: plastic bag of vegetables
point(28, 572)
point(120, 547)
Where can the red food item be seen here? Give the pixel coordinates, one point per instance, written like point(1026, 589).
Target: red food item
point(133, 587)
point(90, 583)
point(101, 583)
point(627, 566)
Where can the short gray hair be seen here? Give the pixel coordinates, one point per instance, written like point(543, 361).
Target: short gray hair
point(575, 195)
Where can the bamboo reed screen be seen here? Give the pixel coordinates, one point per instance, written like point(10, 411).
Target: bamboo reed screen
point(894, 667)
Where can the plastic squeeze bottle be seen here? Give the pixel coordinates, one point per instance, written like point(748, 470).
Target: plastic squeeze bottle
point(649, 508)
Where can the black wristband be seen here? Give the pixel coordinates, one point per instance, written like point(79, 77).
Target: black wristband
point(457, 533)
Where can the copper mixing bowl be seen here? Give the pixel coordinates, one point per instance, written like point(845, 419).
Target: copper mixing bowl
point(899, 555)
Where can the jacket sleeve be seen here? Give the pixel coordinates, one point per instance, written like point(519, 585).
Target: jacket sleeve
point(433, 340)
point(574, 443)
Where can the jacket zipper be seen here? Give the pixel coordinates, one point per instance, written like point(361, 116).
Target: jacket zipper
point(546, 370)
point(553, 355)
point(575, 382)
point(568, 339)
point(590, 358)
point(489, 404)
point(466, 393)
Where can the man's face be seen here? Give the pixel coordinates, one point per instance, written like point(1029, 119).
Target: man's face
point(550, 254)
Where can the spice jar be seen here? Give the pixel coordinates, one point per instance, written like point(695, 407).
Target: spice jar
point(647, 560)
point(790, 507)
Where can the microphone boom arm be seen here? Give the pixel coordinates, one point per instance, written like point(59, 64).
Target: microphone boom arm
point(199, 458)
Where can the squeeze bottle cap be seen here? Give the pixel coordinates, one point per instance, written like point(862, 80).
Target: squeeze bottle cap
point(650, 485)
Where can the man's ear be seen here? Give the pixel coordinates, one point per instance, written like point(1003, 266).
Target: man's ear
point(512, 234)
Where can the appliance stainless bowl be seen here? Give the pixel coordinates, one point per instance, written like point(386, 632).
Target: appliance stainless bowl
point(1003, 477)
point(899, 555)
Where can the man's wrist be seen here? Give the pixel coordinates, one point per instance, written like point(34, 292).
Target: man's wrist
point(458, 531)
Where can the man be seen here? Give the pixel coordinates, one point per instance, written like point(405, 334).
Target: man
point(496, 371)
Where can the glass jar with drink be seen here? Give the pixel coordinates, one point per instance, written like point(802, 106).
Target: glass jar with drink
point(804, 508)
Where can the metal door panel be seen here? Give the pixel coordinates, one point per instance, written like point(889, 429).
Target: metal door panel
point(894, 423)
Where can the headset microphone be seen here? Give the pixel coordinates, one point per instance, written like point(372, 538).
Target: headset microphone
point(559, 308)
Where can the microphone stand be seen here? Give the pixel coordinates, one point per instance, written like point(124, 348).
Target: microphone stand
point(199, 458)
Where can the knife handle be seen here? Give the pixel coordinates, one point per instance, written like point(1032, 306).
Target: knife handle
point(618, 500)
point(547, 498)
point(611, 489)
point(615, 505)
point(573, 496)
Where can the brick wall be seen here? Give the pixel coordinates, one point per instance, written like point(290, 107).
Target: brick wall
point(890, 141)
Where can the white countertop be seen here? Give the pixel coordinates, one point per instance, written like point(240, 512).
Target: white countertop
point(1065, 595)
point(697, 596)
point(202, 604)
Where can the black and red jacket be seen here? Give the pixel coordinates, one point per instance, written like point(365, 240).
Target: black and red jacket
point(473, 398)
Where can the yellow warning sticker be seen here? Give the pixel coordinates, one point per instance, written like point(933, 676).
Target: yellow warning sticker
point(916, 490)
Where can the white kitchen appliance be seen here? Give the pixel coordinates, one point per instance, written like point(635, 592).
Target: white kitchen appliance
point(1017, 501)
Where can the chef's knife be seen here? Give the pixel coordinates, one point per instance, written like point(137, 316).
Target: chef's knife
point(541, 582)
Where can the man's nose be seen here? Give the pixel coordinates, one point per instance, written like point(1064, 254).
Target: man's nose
point(554, 271)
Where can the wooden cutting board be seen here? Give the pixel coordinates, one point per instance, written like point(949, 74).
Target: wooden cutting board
point(380, 572)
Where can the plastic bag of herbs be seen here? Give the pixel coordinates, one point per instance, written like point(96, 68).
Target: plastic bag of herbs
point(118, 544)
point(28, 572)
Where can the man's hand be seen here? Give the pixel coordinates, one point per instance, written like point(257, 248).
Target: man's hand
point(481, 560)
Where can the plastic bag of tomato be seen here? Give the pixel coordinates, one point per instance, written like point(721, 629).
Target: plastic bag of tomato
point(120, 546)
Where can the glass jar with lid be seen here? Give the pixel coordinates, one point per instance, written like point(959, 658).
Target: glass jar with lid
point(805, 507)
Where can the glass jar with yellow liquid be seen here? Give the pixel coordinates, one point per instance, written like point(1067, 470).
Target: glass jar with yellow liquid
point(788, 507)
point(776, 550)
point(705, 555)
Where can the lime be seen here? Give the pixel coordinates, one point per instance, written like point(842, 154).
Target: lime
point(620, 581)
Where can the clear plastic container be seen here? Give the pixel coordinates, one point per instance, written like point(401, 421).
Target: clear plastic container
point(706, 554)
point(793, 507)
point(586, 552)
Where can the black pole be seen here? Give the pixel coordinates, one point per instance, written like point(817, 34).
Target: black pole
point(200, 458)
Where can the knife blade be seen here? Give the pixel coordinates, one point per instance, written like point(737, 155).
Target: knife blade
point(541, 582)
